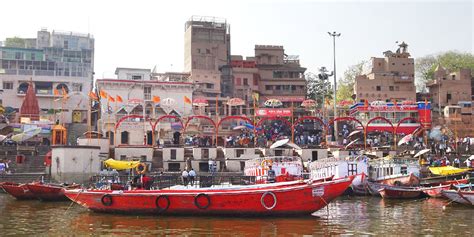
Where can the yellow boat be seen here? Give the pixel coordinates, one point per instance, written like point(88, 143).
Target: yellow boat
point(447, 170)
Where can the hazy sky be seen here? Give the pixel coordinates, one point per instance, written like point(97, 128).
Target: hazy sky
point(145, 34)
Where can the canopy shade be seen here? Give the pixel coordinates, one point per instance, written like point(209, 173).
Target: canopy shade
point(447, 170)
point(121, 165)
point(235, 102)
point(273, 103)
point(308, 103)
point(200, 102)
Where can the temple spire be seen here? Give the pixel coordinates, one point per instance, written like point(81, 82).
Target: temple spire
point(29, 107)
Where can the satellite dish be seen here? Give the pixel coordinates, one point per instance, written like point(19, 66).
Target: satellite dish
point(279, 143)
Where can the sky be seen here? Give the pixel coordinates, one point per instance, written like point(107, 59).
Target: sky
point(145, 34)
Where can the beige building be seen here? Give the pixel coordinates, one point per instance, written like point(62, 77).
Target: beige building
point(450, 88)
point(389, 78)
point(280, 76)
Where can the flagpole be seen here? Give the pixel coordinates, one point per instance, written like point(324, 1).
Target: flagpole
point(89, 118)
point(292, 128)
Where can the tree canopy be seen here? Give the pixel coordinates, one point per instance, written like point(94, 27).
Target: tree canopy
point(15, 42)
point(450, 60)
point(345, 87)
point(317, 88)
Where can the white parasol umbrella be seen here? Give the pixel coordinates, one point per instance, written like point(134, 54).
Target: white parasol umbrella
point(421, 152)
point(279, 143)
point(405, 139)
point(239, 127)
point(293, 145)
point(354, 132)
point(351, 143)
point(26, 135)
point(2, 137)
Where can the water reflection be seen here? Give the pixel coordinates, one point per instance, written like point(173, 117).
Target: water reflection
point(347, 215)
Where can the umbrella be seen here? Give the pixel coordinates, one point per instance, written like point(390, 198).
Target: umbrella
point(26, 135)
point(308, 103)
point(2, 137)
point(354, 132)
point(378, 103)
point(273, 103)
point(293, 145)
point(351, 143)
point(135, 101)
point(422, 152)
point(239, 127)
point(235, 102)
point(405, 139)
point(279, 143)
point(200, 102)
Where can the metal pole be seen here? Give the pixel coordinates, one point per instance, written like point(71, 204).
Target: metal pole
point(334, 35)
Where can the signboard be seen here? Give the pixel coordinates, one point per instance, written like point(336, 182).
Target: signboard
point(318, 191)
point(389, 108)
point(273, 112)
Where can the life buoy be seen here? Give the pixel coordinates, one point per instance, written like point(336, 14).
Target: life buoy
point(266, 163)
point(106, 200)
point(157, 202)
point(262, 200)
point(198, 205)
point(141, 168)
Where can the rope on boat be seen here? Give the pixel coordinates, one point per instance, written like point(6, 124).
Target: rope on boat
point(73, 201)
point(327, 205)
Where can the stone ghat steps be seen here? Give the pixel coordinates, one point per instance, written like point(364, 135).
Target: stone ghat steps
point(31, 164)
point(25, 177)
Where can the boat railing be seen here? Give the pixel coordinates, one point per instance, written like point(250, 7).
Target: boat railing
point(168, 181)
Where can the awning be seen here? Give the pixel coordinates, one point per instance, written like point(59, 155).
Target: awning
point(447, 170)
point(287, 98)
point(121, 165)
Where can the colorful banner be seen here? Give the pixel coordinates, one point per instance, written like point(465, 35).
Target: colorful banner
point(273, 112)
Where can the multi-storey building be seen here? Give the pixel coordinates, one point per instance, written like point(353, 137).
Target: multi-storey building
point(389, 78)
point(280, 76)
point(450, 88)
point(143, 93)
point(56, 62)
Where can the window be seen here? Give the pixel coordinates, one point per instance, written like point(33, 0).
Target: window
point(136, 77)
point(76, 87)
point(66, 44)
point(238, 81)
point(246, 82)
point(7, 85)
point(208, 51)
point(255, 82)
point(293, 88)
point(391, 88)
point(397, 88)
point(378, 88)
point(268, 87)
point(18, 55)
point(277, 87)
point(209, 86)
point(147, 92)
point(239, 152)
point(448, 96)
point(124, 137)
point(173, 154)
point(453, 77)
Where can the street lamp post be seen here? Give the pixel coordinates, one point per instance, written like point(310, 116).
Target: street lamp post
point(334, 35)
point(323, 76)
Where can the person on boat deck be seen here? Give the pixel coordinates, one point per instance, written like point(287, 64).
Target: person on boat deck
point(146, 182)
point(135, 180)
point(192, 175)
point(271, 174)
point(184, 176)
point(457, 162)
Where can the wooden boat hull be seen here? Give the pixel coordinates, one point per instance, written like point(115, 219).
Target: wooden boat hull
point(400, 193)
point(467, 195)
point(409, 180)
point(454, 196)
point(19, 191)
point(286, 198)
point(435, 191)
point(450, 179)
point(48, 192)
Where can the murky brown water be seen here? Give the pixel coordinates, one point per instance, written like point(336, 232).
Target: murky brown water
point(347, 216)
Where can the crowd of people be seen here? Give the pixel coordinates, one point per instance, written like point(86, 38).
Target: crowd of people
point(199, 141)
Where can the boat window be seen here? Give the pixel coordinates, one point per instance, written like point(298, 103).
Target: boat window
point(404, 170)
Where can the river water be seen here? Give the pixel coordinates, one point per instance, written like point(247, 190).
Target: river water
point(345, 216)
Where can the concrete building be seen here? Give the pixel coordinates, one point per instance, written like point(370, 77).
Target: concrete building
point(206, 51)
point(389, 78)
point(137, 89)
point(53, 61)
point(280, 75)
point(450, 88)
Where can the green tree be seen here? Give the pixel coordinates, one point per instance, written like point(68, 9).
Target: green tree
point(450, 60)
point(345, 87)
point(15, 42)
point(317, 88)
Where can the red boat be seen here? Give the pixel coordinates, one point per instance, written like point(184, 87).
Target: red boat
point(18, 191)
point(436, 191)
point(284, 198)
point(400, 192)
point(49, 192)
point(408, 180)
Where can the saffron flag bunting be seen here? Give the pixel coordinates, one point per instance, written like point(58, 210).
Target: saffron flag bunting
point(56, 92)
point(103, 94)
point(119, 99)
point(93, 96)
point(156, 99)
point(111, 99)
point(187, 100)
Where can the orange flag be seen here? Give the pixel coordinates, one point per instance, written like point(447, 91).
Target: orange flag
point(56, 92)
point(156, 99)
point(187, 100)
point(111, 99)
point(394, 103)
point(366, 103)
point(103, 94)
point(93, 96)
point(119, 98)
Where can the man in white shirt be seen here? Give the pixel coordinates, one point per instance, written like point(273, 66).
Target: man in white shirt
point(185, 175)
point(192, 175)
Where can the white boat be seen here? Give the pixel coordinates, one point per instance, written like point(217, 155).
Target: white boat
point(342, 167)
point(286, 168)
